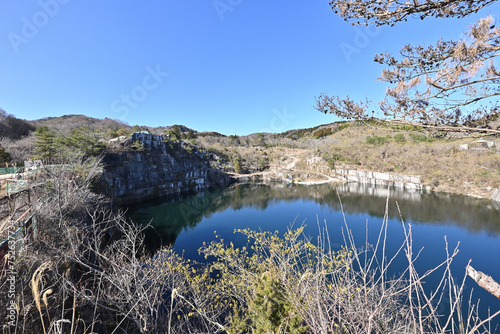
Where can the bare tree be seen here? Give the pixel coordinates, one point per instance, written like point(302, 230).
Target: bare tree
point(19, 150)
point(449, 83)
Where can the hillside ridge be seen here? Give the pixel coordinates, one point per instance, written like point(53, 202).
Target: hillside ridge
point(458, 162)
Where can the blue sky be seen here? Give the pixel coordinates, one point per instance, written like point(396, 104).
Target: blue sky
point(231, 66)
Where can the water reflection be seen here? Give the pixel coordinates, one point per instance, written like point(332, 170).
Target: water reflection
point(172, 217)
point(475, 224)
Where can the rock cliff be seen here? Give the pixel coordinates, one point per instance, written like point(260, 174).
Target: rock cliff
point(157, 171)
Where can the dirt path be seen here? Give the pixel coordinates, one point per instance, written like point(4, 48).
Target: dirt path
point(293, 163)
point(327, 177)
point(313, 176)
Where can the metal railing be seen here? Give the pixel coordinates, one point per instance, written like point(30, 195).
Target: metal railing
point(25, 230)
point(10, 170)
point(15, 186)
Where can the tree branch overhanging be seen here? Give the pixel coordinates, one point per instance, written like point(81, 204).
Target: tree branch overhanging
point(390, 12)
point(451, 83)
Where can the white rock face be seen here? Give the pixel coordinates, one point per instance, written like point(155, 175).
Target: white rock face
point(412, 182)
point(496, 195)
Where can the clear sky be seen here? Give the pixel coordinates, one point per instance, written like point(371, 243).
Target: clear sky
point(231, 66)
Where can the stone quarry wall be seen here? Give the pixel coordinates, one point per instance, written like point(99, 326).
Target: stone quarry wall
point(495, 196)
point(408, 182)
point(411, 182)
point(133, 177)
point(382, 192)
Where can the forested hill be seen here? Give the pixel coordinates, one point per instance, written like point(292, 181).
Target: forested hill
point(67, 123)
point(14, 128)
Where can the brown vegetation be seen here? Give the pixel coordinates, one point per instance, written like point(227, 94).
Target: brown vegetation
point(375, 146)
point(87, 272)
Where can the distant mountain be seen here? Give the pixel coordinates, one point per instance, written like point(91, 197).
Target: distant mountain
point(12, 127)
point(68, 122)
point(16, 128)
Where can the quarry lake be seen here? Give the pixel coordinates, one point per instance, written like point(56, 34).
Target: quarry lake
point(473, 223)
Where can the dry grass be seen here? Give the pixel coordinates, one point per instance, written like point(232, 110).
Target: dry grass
point(434, 156)
point(440, 162)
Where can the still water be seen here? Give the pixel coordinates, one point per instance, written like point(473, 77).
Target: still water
point(472, 224)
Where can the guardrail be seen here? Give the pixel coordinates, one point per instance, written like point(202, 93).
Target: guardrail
point(24, 232)
point(15, 186)
point(9, 170)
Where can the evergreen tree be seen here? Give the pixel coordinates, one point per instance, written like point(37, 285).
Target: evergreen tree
point(83, 140)
point(4, 155)
point(237, 165)
point(45, 144)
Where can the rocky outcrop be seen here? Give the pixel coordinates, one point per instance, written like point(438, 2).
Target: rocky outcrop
point(218, 179)
point(132, 177)
point(496, 195)
point(411, 182)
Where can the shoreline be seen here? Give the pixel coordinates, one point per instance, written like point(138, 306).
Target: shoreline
point(493, 195)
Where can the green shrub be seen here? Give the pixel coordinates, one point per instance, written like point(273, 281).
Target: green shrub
point(262, 163)
point(377, 140)
point(421, 138)
point(269, 298)
point(322, 133)
point(404, 127)
point(399, 138)
point(237, 165)
point(342, 127)
point(137, 145)
point(331, 163)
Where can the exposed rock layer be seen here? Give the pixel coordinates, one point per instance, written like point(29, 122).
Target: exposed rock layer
point(132, 177)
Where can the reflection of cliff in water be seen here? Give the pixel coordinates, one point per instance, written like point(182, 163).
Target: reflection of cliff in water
point(170, 218)
point(437, 208)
